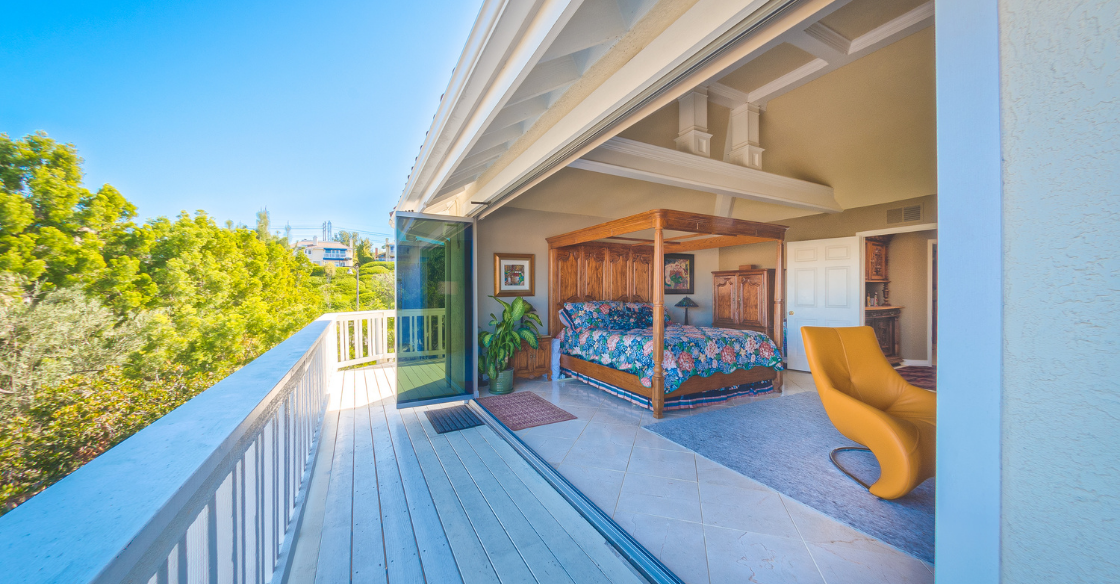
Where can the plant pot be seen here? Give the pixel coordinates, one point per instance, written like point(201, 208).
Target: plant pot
point(503, 384)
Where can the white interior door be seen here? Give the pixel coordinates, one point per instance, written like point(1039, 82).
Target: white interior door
point(822, 289)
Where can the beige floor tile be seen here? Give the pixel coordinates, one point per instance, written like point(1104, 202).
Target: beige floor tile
point(616, 415)
point(678, 544)
point(739, 556)
point(600, 485)
point(708, 471)
point(841, 563)
point(566, 429)
point(600, 455)
point(600, 433)
point(647, 439)
point(551, 449)
point(815, 527)
point(660, 496)
point(747, 510)
point(663, 463)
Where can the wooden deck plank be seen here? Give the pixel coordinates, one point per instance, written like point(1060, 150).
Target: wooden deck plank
point(504, 557)
point(402, 558)
point(575, 560)
point(334, 547)
point(436, 555)
point(593, 543)
point(368, 559)
point(540, 559)
point(470, 555)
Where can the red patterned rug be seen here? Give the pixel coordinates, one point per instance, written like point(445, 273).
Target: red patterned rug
point(924, 377)
point(523, 409)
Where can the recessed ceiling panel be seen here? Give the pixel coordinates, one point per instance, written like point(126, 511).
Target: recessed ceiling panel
point(766, 67)
point(862, 16)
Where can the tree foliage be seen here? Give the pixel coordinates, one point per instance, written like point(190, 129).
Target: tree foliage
point(107, 324)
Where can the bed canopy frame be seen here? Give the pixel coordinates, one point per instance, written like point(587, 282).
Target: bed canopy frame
point(698, 232)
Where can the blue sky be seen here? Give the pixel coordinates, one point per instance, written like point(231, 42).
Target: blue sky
point(315, 109)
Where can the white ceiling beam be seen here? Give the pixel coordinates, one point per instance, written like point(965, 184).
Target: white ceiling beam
point(724, 205)
point(546, 77)
point(596, 22)
point(496, 137)
point(640, 161)
point(511, 114)
point(728, 97)
point(886, 34)
point(822, 42)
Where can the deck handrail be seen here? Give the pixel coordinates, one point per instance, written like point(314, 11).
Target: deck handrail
point(210, 492)
point(374, 335)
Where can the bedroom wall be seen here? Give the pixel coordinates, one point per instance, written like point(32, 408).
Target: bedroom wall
point(908, 269)
point(513, 230)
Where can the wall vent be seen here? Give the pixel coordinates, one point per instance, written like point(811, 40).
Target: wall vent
point(904, 214)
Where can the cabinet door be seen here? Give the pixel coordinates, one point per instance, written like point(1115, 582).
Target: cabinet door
point(723, 301)
point(876, 261)
point(884, 333)
point(641, 286)
point(618, 275)
point(752, 295)
point(594, 268)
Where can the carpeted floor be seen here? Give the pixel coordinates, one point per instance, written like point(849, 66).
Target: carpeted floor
point(784, 444)
point(924, 377)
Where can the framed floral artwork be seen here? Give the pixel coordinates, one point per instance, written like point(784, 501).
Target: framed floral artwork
point(680, 273)
point(514, 274)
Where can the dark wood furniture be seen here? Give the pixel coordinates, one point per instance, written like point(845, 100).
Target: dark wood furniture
point(884, 321)
point(876, 261)
point(605, 262)
point(692, 385)
point(530, 362)
point(741, 299)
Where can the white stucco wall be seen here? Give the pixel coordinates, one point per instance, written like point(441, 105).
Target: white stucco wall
point(1060, 110)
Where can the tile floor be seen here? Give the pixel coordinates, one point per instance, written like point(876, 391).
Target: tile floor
point(706, 522)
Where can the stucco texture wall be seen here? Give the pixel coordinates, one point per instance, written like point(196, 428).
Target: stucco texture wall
point(1060, 102)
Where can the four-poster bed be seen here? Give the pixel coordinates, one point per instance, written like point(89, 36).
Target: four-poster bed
point(606, 262)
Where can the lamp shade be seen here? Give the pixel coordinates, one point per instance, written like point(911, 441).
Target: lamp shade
point(686, 302)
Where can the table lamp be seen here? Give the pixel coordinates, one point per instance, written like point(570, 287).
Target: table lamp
point(686, 303)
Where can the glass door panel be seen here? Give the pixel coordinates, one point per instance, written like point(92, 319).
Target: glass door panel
point(435, 318)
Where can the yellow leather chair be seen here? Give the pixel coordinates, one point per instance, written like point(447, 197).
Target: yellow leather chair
point(869, 402)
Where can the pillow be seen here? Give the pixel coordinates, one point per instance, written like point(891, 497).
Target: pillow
point(566, 320)
point(641, 314)
point(591, 315)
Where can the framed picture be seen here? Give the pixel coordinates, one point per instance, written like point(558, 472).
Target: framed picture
point(514, 274)
point(680, 273)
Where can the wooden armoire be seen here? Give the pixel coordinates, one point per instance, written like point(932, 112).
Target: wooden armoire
point(741, 299)
point(599, 272)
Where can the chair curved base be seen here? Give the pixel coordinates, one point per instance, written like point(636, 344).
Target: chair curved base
point(832, 457)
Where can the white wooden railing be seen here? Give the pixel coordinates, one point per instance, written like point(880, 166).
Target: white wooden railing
point(213, 492)
point(210, 493)
point(370, 336)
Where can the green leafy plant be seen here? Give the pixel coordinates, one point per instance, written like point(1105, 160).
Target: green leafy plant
point(498, 347)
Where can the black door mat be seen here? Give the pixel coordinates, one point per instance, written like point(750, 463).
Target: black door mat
point(451, 419)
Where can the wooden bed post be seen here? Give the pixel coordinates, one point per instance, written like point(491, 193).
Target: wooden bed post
point(779, 304)
point(658, 391)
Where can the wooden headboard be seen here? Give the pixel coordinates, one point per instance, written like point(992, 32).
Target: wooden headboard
point(597, 271)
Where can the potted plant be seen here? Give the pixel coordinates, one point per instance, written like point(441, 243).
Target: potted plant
point(497, 348)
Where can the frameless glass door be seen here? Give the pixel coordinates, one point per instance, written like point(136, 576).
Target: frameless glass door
point(435, 319)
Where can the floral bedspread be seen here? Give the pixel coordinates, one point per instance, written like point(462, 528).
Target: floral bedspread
point(689, 350)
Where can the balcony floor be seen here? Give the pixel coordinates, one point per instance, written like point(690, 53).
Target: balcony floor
point(391, 500)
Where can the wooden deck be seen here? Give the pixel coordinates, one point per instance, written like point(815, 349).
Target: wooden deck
point(392, 501)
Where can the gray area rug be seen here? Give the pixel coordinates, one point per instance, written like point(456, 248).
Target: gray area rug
point(784, 443)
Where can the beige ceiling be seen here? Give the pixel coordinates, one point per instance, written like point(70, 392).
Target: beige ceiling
point(862, 16)
point(766, 67)
point(867, 129)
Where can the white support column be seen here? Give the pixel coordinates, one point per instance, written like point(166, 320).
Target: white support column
point(724, 204)
point(743, 136)
point(693, 136)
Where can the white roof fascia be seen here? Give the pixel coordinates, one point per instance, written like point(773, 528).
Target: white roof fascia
point(702, 24)
point(507, 40)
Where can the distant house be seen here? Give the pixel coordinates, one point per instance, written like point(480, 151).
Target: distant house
point(322, 253)
point(386, 253)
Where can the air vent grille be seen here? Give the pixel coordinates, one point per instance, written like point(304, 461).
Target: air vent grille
point(904, 214)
